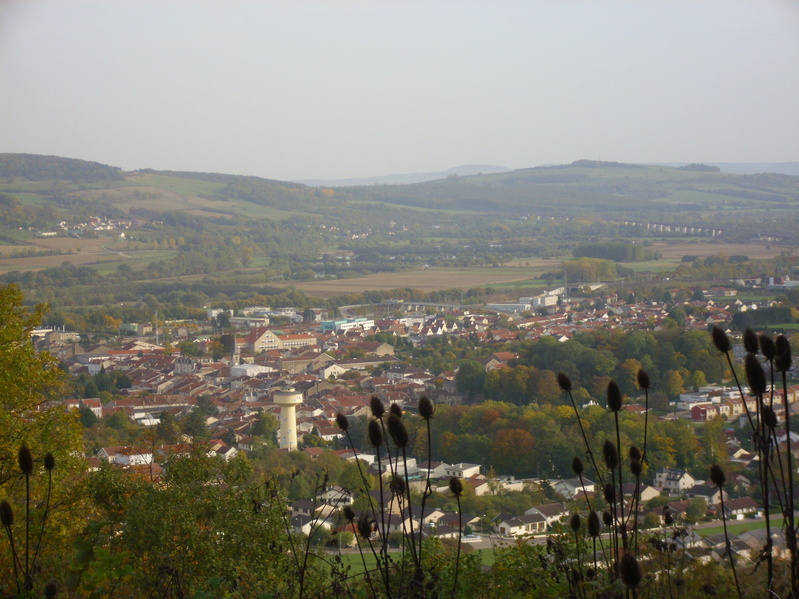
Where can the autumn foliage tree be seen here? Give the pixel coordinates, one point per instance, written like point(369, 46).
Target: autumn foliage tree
point(29, 381)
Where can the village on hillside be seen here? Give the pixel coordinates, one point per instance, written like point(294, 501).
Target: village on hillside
point(335, 367)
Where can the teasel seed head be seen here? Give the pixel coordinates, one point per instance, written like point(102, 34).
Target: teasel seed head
point(750, 341)
point(630, 570)
point(594, 527)
point(397, 485)
point(426, 407)
point(456, 486)
point(610, 454)
point(564, 381)
point(755, 375)
point(575, 522)
point(607, 519)
point(635, 453)
point(614, 397)
point(396, 429)
point(377, 407)
point(609, 492)
point(49, 461)
point(396, 410)
point(51, 589)
point(342, 422)
point(635, 467)
point(767, 346)
point(6, 514)
point(364, 526)
point(25, 459)
point(717, 475)
point(577, 466)
point(375, 433)
point(720, 340)
point(643, 379)
point(769, 417)
point(349, 513)
point(782, 358)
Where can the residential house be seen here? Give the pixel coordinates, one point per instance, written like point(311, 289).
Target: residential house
point(516, 526)
point(462, 470)
point(552, 512)
point(645, 492)
point(571, 487)
point(738, 509)
point(711, 495)
point(673, 481)
point(436, 469)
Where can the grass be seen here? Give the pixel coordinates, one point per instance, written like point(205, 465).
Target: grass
point(738, 528)
point(789, 326)
point(179, 185)
point(353, 559)
point(651, 266)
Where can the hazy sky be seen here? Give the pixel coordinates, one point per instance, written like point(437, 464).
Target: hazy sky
point(298, 89)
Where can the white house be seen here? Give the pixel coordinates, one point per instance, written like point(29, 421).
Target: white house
point(526, 524)
point(673, 481)
point(462, 470)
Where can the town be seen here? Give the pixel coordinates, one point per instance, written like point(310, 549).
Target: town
point(261, 376)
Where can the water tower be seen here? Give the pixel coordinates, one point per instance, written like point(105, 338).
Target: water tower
point(288, 400)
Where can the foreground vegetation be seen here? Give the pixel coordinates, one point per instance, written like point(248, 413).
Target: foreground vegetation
point(207, 528)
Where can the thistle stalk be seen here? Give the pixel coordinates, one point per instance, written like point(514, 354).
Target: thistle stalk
point(718, 479)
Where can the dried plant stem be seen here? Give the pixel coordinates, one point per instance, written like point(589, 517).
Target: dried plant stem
point(728, 545)
point(14, 556)
point(791, 536)
point(414, 554)
point(44, 518)
point(427, 489)
point(360, 471)
point(458, 552)
point(363, 561)
point(28, 584)
point(644, 459)
point(588, 451)
point(740, 391)
point(764, 450)
point(620, 500)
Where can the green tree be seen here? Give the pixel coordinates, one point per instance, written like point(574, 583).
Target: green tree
point(470, 379)
point(189, 348)
point(206, 405)
point(698, 379)
point(29, 382)
point(166, 429)
point(266, 426)
point(696, 510)
point(229, 343)
point(220, 534)
point(87, 417)
point(194, 425)
point(673, 384)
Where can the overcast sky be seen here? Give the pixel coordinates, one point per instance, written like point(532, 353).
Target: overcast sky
point(334, 88)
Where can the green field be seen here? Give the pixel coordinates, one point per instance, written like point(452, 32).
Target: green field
point(655, 266)
point(735, 528)
point(179, 185)
point(353, 559)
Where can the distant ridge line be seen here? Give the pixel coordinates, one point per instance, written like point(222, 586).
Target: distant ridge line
point(407, 178)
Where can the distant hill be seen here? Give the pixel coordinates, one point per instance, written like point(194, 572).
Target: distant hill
point(584, 188)
point(610, 189)
point(44, 168)
point(408, 178)
point(749, 168)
